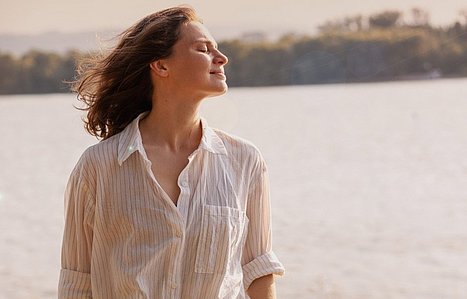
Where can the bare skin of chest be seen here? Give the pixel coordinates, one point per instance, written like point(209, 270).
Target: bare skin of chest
point(166, 167)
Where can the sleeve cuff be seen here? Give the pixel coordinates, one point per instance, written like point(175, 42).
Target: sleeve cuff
point(265, 264)
point(74, 285)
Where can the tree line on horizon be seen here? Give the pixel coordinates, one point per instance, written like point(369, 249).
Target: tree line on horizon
point(379, 47)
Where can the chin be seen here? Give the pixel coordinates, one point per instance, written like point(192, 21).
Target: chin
point(219, 91)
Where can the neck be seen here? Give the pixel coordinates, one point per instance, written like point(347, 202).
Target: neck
point(172, 124)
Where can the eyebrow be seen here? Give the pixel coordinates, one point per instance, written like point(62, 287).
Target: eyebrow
point(206, 41)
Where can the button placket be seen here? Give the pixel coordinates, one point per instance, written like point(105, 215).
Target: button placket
point(182, 206)
point(174, 275)
point(183, 200)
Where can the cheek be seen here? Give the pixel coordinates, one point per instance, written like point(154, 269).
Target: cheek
point(198, 62)
point(193, 68)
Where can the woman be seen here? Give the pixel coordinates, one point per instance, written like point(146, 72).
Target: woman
point(164, 206)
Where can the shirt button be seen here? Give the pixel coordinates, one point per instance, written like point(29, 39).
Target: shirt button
point(184, 184)
point(179, 233)
point(173, 285)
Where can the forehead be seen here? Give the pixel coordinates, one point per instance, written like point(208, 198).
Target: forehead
point(195, 31)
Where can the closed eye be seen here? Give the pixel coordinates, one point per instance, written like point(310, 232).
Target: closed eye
point(205, 46)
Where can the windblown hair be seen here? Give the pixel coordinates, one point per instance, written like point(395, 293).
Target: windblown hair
point(116, 87)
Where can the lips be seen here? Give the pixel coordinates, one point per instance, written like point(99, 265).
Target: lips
point(219, 74)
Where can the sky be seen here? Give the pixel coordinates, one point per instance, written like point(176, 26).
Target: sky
point(223, 18)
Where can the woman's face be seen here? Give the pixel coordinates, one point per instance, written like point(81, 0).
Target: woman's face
point(196, 64)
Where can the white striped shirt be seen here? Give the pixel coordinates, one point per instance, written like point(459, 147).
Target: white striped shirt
point(125, 238)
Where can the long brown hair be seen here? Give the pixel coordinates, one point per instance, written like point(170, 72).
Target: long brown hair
point(117, 87)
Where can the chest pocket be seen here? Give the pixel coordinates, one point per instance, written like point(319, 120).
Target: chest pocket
point(223, 232)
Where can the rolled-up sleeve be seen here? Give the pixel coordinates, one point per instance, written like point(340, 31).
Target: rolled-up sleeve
point(75, 277)
point(258, 258)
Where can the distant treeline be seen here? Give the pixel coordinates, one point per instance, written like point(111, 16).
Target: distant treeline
point(355, 49)
point(36, 72)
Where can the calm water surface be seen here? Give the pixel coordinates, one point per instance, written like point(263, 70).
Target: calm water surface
point(368, 183)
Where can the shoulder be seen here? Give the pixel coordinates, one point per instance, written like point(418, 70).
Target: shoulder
point(241, 149)
point(98, 154)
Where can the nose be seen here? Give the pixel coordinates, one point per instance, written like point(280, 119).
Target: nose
point(220, 58)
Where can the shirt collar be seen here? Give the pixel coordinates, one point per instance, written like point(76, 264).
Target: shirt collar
point(130, 140)
point(210, 140)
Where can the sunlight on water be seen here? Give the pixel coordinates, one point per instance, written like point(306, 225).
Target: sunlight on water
point(367, 186)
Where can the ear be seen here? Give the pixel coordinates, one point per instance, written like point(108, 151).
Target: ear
point(160, 68)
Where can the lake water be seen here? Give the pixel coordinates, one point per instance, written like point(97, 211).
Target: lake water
point(368, 182)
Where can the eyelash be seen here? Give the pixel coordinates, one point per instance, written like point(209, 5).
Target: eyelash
point(204, 50)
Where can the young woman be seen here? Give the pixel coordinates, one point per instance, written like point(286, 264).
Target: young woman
point(164, 206)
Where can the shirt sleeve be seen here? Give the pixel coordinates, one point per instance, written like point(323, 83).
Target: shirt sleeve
point(75, 277)
point(258, 258)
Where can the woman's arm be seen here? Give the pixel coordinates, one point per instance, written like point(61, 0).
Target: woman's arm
point(258, 260)
point(75, 273)
point(263, 288)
